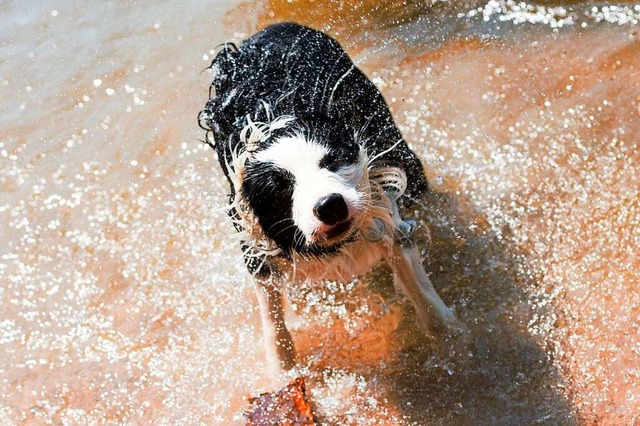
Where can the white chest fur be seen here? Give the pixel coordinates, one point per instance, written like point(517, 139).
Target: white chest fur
point(355, 259)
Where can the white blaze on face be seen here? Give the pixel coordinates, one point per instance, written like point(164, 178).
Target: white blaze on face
point(301, 157)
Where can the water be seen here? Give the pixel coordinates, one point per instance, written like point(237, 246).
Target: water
point(124, 297)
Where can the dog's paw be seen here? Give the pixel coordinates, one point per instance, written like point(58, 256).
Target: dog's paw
point(407, 226)
point(456, 329)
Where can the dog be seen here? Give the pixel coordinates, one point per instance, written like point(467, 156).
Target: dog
point(319, 174)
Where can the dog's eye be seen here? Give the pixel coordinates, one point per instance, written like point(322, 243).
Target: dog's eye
point(269, 190)
point(335, 160)
point(268, 187)
point(266, 178)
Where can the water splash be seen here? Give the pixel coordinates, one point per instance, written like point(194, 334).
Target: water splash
point(124, 298)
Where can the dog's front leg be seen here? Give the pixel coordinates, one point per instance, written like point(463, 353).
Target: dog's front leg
point(278, 343)
point(413, 282)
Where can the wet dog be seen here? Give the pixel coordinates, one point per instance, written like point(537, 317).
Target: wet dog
point(319, 173)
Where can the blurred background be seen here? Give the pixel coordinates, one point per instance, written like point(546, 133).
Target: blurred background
point(124, 298)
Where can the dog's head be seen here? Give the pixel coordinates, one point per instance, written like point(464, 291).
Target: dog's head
point(304, 181)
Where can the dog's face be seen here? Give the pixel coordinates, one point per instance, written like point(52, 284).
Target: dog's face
point(308, 186)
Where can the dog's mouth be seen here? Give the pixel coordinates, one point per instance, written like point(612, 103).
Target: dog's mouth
point(336, 231)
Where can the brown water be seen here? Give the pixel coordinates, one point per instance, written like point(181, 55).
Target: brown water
point(124, 298)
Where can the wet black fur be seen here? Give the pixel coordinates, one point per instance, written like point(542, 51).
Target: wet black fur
point(294, 69)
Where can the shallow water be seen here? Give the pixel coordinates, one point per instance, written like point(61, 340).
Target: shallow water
point(124, 298)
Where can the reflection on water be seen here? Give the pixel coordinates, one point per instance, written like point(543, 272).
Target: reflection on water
point(123, 295)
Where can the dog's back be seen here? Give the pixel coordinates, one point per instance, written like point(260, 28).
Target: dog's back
point(302, 72)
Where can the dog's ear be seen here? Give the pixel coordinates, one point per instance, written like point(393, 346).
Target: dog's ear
point(214, 118)
point(223, 68)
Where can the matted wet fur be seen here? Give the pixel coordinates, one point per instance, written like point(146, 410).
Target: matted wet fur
point(319, 173)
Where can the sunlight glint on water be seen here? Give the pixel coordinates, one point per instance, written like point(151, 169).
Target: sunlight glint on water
point(124, 297)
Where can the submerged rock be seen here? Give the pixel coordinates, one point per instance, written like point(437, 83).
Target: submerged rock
point(288, 406)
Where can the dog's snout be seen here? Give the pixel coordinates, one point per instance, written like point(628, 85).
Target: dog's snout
point(331, 209)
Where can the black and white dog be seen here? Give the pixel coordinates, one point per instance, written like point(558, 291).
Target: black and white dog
point(319, 173)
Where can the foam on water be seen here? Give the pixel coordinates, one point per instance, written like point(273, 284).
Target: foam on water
point(124, 296)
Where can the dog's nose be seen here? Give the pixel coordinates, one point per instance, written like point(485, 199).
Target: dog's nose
point(331, 209)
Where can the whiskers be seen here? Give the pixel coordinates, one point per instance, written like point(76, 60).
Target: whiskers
point(377, 188)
